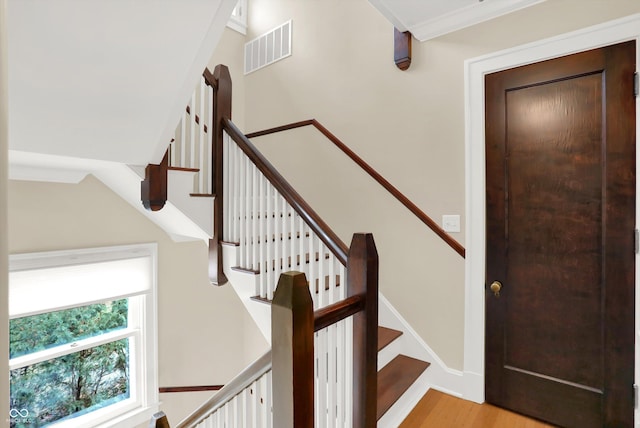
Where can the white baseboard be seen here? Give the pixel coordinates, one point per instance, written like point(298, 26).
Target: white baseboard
point(438, 375)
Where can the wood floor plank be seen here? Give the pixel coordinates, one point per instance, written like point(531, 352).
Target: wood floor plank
point(440, 410)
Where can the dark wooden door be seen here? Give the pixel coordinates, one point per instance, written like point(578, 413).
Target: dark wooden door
point(560, 147)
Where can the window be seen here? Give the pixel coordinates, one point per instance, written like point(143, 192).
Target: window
point(238, 19)
point(83, 337)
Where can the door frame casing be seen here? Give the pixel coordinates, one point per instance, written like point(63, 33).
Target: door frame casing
point(601, 35)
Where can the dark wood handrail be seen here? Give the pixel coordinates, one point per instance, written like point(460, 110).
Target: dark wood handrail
point(431, 224)
point(324, 317)
point(324, 232)
point(209, 78)
point(190, 388)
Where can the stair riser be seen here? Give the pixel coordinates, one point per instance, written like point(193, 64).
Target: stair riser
point(389, 352)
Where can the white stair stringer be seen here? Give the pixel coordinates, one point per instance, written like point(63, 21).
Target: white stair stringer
point(197, 208)
point(245, 285)
point(120, 178)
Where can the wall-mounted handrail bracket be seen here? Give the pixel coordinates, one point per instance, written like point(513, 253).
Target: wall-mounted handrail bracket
point(402, 49)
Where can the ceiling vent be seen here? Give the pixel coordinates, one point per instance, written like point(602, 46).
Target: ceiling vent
point(268, 48)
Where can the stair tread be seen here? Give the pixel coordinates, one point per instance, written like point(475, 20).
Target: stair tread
point(395, 378)
point(180, 168)
point(386, 336)
point(202, 195)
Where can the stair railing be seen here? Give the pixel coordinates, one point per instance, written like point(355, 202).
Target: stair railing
point(395, 192)
point(322, 369)
point(277, 231)
point(243, 402)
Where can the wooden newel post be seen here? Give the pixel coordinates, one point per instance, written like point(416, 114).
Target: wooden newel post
point(153, 189)
point(292, 352)
point(221, 109)
point(362, 278)
point(159, 420)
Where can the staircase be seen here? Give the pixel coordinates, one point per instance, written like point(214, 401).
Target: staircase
point(397, 372)
point(262, 228)
point(395, 377)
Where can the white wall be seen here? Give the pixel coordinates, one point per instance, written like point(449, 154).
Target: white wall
point(229, 53)
point(201, 327)
point(408, 125)
point(4, 289)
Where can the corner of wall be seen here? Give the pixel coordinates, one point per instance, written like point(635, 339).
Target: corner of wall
point(4, 242)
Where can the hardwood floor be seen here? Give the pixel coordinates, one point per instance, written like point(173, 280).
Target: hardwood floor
point(438, 410)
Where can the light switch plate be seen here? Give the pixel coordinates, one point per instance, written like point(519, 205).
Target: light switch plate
point(451, 223)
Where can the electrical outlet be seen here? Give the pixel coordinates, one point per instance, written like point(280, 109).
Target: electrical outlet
point(451, 223)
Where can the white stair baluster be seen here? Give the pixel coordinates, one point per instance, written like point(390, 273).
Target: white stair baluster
point(242, 210)
point(331, 376)
point(237, 192)
point(313, 269)
point(348, 362)
point(269, 399)
point(340, 373)
point(321, 396)
point(246, 223)
point(209, 144)
point(193, 131)
point(174, 143)
point(202, 140)
point(332, 292)
point(264, 387)
point(268, 271)
point(293, 242)
point(254, 406)
point(277, 253)
point(262, 238)
point(238, 411)
point(322, 295)
point(228, 414)
point(285, 235)
point(301, 234)
point(247, 407)
point(228, 190)
point(255, 217)
point(220, 417)
point(180, 152)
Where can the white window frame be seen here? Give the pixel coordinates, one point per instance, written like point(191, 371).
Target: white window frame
point(141, 327)
point(238, 19)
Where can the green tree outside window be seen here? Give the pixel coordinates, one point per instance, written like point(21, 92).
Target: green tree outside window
point(72, 384)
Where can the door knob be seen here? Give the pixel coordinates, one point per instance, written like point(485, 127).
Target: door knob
point(496, 286)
